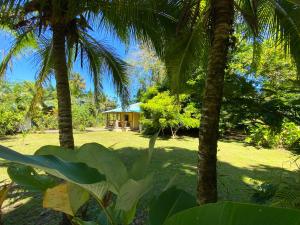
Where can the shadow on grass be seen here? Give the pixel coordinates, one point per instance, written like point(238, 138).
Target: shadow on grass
point(162, 136)
point(234, 183)
point(27, 210)
point(7, 137)
point(167, 162)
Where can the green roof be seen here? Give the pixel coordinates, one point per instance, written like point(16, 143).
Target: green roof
point(131, 108)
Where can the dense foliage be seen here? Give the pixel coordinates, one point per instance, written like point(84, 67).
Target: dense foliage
point(163, 111)
point(260, 102)
point(20, 112)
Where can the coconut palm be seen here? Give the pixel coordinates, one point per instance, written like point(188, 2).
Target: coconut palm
point(64, 29)
point(204, 37)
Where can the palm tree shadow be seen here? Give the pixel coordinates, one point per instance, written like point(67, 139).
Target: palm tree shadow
point(234, 183)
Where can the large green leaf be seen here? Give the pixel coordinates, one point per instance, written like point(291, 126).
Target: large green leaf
point(169, 203)
point(131, 192)
point(66, 197)
point(78, 221)
point(27, 177)
point(140, 166)
point(74, 172)
point(229, 213)
point(96, 156)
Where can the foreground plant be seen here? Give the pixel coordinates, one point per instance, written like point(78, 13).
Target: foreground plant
point(176, 207)
point(92, 170)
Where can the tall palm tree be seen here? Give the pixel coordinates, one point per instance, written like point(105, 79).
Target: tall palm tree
point(204, 36)
point(66, 26)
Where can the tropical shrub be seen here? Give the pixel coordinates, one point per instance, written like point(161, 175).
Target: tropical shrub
point(92, 170)
point(263, 136)
point(45, 121)
point(290, 136)
point(164, 111)
point(10, 120)
point(82, 117)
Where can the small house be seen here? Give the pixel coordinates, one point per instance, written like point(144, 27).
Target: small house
point(123, 119)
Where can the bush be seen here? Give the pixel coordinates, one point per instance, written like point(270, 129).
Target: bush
point(263, 136)
point(264, 192)
point(82, 117)
point(165, 111)
point(10, 121)
point(290, 136)
point(46, 121)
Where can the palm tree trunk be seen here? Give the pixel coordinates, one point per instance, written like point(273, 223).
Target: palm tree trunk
point(222, 21)
point(62, 88)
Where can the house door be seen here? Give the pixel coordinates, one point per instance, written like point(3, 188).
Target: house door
point(126, 117)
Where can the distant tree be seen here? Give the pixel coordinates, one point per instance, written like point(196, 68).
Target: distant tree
point(77, 85)
point(147, 67)
point(164, 111)
point(15, 100)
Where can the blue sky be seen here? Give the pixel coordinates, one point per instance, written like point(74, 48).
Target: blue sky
point(24, 67)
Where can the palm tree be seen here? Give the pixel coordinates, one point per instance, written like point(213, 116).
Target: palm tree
point(204, 34)
point(64, 26)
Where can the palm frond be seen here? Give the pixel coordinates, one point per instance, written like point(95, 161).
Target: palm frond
point(100, 58)
point(188, 48)
point(184, 54)
point(20, 44)
point(45, 59)
point(143, 20)
point(287, 28)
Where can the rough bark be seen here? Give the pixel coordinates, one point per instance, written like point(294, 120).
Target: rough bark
point(62, 88)
point(222, 21)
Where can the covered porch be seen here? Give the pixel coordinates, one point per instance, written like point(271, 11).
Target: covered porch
point(123, 119)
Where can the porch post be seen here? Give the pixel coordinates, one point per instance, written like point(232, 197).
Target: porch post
point(116, 121)
point(107, 120)
point(132, 125)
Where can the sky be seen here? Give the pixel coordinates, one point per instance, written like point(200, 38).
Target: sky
point(24, 67)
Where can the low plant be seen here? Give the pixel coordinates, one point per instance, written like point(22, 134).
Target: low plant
point(290, 136)
point(262, 135)
point(264, 192)
point(91, 170)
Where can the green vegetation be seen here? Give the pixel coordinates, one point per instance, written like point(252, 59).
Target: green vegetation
point(92, 170)
point(216, 69)
point(163, 111)
point(241, 167)
point(21, 111)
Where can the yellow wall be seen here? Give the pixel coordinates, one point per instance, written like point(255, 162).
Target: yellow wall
point(133, 118)
point(136, 121)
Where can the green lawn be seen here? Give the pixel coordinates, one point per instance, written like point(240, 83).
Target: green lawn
point(240, 166)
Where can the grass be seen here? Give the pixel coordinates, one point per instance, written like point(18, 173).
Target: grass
point(240, 167)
